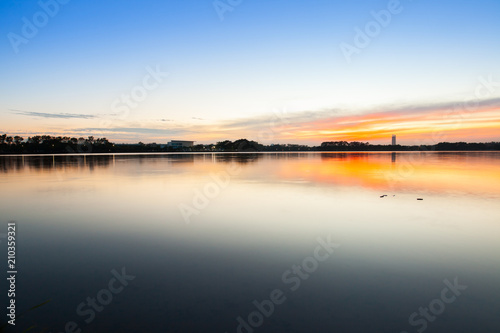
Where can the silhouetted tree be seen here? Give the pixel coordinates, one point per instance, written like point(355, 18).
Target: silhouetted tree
point(224, 145)
point(18, 139)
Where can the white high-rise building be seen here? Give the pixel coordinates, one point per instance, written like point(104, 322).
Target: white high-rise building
point(393, 140)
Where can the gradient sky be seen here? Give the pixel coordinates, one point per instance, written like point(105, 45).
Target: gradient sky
point(271, 71)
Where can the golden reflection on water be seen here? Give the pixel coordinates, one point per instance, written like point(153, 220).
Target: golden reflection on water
point(471, 173)
point(272, 199)
point(271, 210)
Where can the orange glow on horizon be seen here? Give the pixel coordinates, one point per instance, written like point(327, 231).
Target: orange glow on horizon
point(432, 127)
point(411, 127)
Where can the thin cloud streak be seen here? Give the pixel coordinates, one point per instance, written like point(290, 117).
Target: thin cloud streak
point(52, 115)
point(470, 120)
point(135, 130)
point(481, 121)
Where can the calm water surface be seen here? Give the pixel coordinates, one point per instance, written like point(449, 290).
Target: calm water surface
point(202, 236)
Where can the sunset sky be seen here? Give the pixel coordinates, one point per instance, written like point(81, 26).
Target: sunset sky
point(273, 71)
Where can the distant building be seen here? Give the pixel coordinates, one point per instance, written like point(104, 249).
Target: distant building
point(393, 140)
point(180, 144)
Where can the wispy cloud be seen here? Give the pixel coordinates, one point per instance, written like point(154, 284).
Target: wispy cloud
point(52, 115)
point(478, 120)
point(426, 122)
point(135, 130)
point(453, 119)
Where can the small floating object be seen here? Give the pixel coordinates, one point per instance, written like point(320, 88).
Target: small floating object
point(420, 199)
point(383, 196)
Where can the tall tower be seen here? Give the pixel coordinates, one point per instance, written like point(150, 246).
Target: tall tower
point(393, 140)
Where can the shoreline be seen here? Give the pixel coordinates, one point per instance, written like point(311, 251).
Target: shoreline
point(250, 152)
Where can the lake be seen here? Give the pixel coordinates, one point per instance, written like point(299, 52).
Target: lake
point(263, 242)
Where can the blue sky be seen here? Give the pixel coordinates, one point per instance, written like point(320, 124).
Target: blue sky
point(264, 56)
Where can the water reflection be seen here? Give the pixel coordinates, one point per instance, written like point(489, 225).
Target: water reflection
point(82, 216)
point(471, 172)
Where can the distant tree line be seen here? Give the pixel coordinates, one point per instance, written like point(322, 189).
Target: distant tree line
point(442, 146)
point(46, 144)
